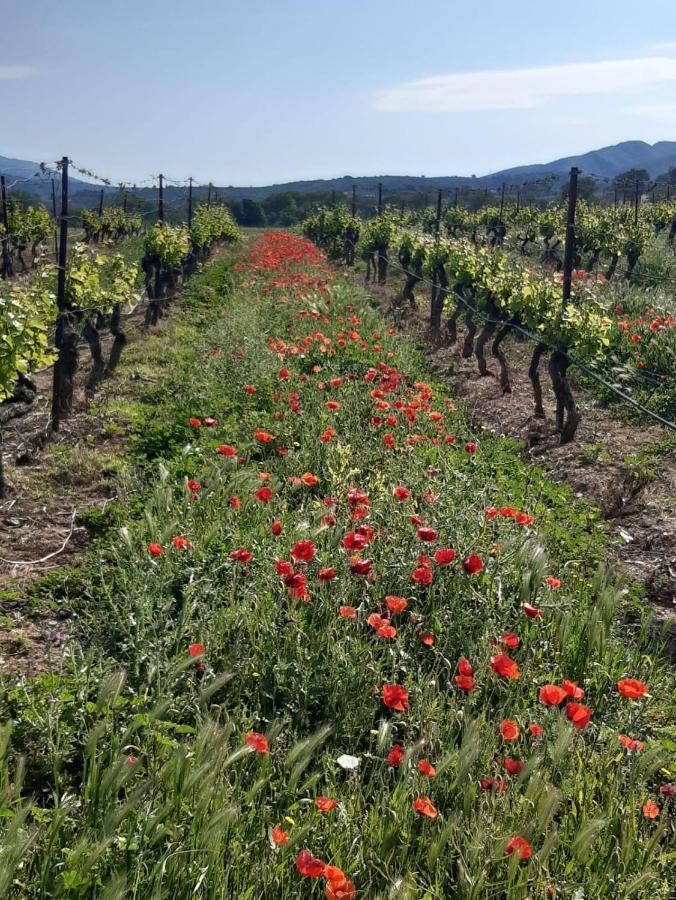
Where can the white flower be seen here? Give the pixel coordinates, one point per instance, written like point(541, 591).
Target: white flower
point(347, 762)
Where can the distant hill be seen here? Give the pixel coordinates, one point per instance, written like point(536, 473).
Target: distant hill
point(605, 163)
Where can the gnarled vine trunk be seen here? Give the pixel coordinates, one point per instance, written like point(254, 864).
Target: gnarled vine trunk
point(567, 415)
point(498, 353)
point(534, 375)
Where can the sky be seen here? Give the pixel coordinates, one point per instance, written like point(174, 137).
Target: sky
point(253, 92)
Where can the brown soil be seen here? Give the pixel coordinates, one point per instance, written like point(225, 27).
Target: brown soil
point(640, 510)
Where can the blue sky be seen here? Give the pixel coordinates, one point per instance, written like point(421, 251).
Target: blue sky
point(256, 91)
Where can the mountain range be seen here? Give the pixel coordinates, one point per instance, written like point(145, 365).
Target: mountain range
point(605, 163)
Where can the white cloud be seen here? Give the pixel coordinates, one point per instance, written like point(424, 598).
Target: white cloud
point(524, 88)
point(653, 110)
point(16, 71)
point(663, 45)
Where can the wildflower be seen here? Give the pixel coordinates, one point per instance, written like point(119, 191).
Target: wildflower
point(194, 486)
point(465, 683)
point(308, 865)
point(668, 790)
point(509, 730)
point(276, 528)
point(425, 807)
point(396, 604)
point(395, 697)
point(444, 557)
point(650, 810)
point(536, 730)
point(242, 555)
point(196, 650)
point(473, 564)
point(386, 631)
point(325, 804)
point(427, 535)
point(491, 512)
point(263, 437)
point(235, 502)
point(279, 836)
point(360, 566)
point(348, 612)
point(554, 583)
point(630, 743)
point(210, 423)
point(578, 715)
point(396, 755)
point(258, 742)
point(523, 518)
point(250, 389)
point(354, 541)
point(632, 688)
point(401, 493)
point(340, 890)
point(308, 479)
point(422, 575)
point(226, 450)
point(520, 846)
point(155, 550)
point(572, 690)
point(509, 639)
point(263, 495)
point(504, 666)
point(552, 694)
point(303, 550)
point(531, 611)
point(181, 543)
point(426, 768)
point(327, 574)
point(470, 447)
point(513, 766)
point(196, 423)
point(427, 637)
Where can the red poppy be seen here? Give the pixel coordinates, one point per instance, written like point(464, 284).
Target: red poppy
point(386, 631)
point(554, 583)
point(491, 512)
point(505, 666)
point(326, 436)
point(572, 690)
point(396, 755)
point(355, 541)
point(552, 694)
point(181, 543)
point(465, 683)
point(257, 742)
point(226, 450)
point(401, 493)
point(340, 890)
point(155, 550)
point(262, 436)
point(283, 567)
point(326, 575)
point(465, 667)
point(194, 486)
point(509, 730)
point(630, 743)
point(250, 389)
point(444, 557)
point(650, 810)
point(427, 535)
point(375, 620)
point(520, 846)
point(194, 422)
point(427, 637)
point(308, 479)
point(263, 495)
point(531, 611)
point(425, 807)
point(325, 804)
point(284, 374)
point(279, 836)
point(470, 447)
point(348, 612)
point(235, 502)
point(395, 697)
point(303, 550)
point(473, 564)
point(426, 768)
point(242, 555)
point(668, 790)
point(536, 730)
point(632, 688)
point(196, 650)
point(498, 783)
point(578, 715)
point(513, 766)
point(296, 584)
point(396, 604)
point(360, 566)
point(509, 639)
point(276, 528)
point(523, 518)
point(308, 865)
point(507, 512)
point(333, 873)
point(210, 423)
point(422, 575)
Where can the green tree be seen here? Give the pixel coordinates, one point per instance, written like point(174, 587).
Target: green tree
point(627, 181)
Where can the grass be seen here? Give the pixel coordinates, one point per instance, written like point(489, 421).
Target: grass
point(127, 774)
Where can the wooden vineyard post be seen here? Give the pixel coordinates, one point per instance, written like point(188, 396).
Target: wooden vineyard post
point(190, 203)
point(101, 204)
point(160, 209)
point(567, 415)
point(6, 260)
point(62, 338)
point(380, 197)
point(354, 200)
point(209, 195)
point(56, 227)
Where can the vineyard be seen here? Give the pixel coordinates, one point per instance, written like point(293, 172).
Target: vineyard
point(329, 638)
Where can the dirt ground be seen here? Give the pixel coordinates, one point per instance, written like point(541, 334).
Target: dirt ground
point(612, 462)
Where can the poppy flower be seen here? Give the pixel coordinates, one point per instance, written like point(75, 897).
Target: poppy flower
point(196, 423)
point(263, 495)
point(279, 836)
point(536, 730)
point(326, 435)
point(668, 790)
point(531, 611)
point(422, 575)
point(386, 631)
point(554, 583)
point(465, 667)
point(196, 650)
point(250, 389)
point(498, 783)
point(262, 436)
point(509, 639)
point(630, 743)
point(348, 612)
point(235, 502)
point(632, 688)
point(181, 543)
point(308, 479)
point(354, 541)
point(395, 697)
point(491, 512)
point(341, 890)
point(226, 450)
point(303, 550)
point(283, 374)
point(396, 755)
point(375, 620)
point(523, 518)
point(326, 575)
point(396, 604)
point(427, 535)
point(242, 555)
point(509, 730)
point(470, 447)
point(513, 766)
point(325, 804)
point(276, 528)
point(296, 584)
point(333, 873)
point(194, 486)
point(308, 865)
point(552, 694)
point(473, 564)
point(210, 423)
point(258, 742)
point(444, 557)
point(360, 566)
point(425, 807)
point(427, 637)
point(283, 567)
point(426, 768)
point(504, 666)
point(465, 683)
point(507, 512)
point(155, 550)
point(578, 715)
point(650, 810)
point(401, 493)
point(572, 690)
point(520, 846)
